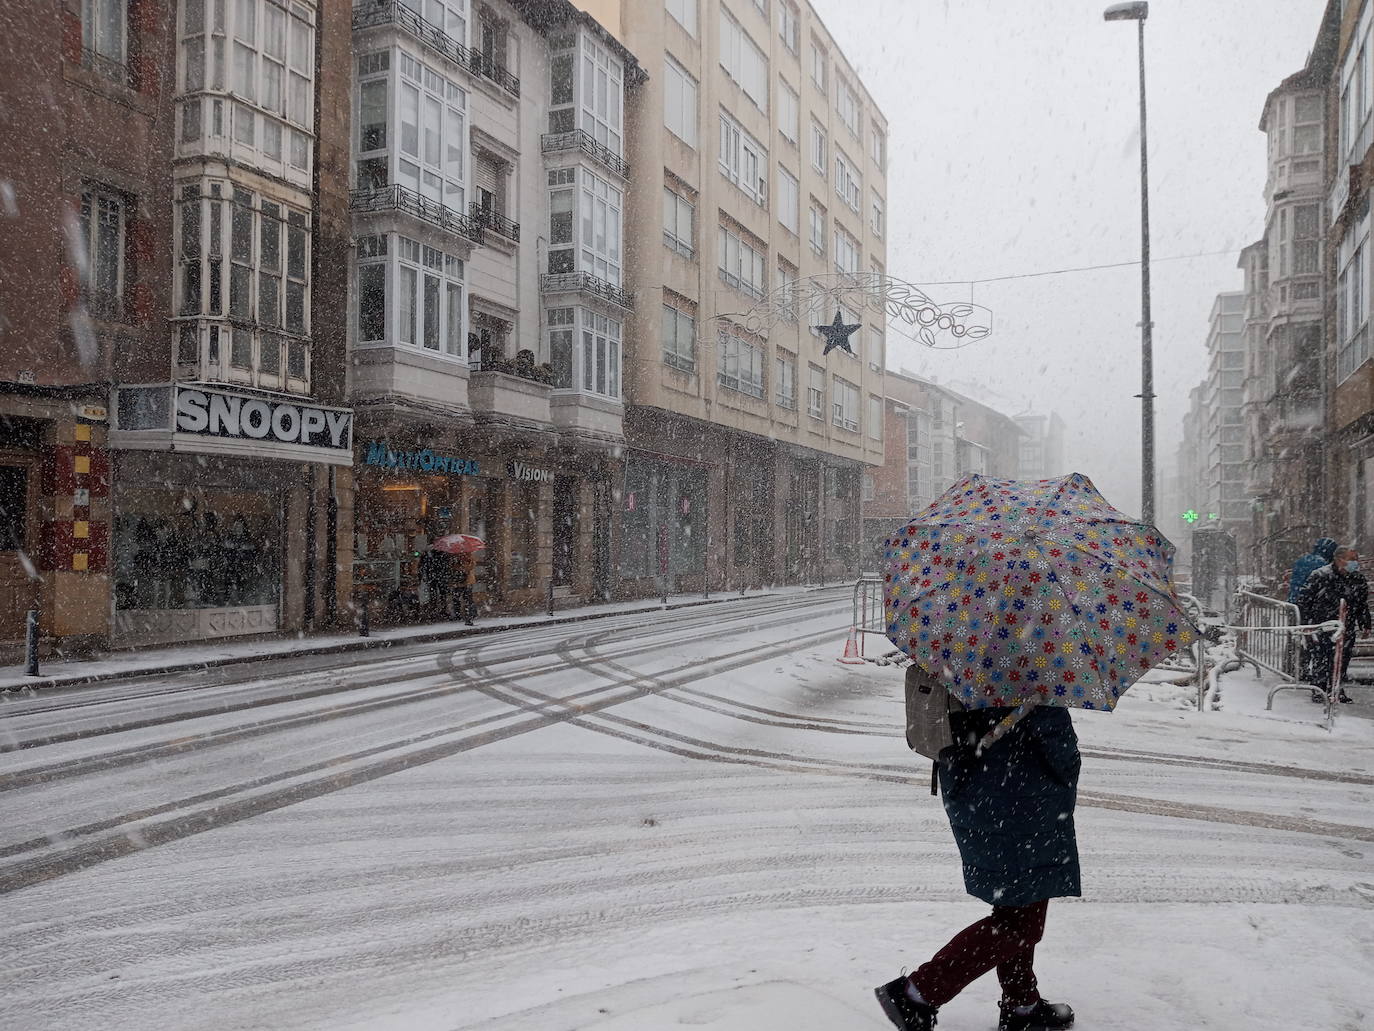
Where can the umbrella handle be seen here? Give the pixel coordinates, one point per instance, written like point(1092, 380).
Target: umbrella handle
point(1005, 724)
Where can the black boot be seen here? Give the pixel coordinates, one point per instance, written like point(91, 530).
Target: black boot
point(904, 1011)
point(1343, 697)
point(1045, 1016)
point(1318, 697)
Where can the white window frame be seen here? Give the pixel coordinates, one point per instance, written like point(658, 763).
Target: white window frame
point(847, 106)
point(875, 417)
point(1352, 299)
point(679, 102)
point(105, 30)
point(879, 219)
point(816, 227)
point(743, 160)
point(601, 93)
point(845, 404)
point(820, 60)
point(847, 253)
point(787, 290)
point(684, 12)
point(785, 380)
point(815, 392)
point(403, 260)
point(679, 337)
point(788, 201)
point(600, 221)
point(819, 149)
point(103, 258)
point(743, 61)
point(740, 363)
point(878, 147)
point(789, 25)
point(742, 264)
point(848, 184)
point(599, 354)
point(789, 112)
point(679, 223)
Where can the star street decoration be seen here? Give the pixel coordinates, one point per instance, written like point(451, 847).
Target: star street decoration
point(811, 299)
point(837, 334)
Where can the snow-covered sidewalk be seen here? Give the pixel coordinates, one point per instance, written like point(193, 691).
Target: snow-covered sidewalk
point(179, 658)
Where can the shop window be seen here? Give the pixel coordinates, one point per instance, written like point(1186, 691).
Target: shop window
point(524, 537)
point(197, 551)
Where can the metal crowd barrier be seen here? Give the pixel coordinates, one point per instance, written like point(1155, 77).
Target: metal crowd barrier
point(867, 614)
point(1265, 638)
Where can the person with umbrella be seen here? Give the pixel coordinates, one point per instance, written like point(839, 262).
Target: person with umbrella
point(1021, 600)
point(463, 547)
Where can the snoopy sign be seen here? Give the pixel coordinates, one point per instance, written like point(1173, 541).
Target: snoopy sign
point(216, 420)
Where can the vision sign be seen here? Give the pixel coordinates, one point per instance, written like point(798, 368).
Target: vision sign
point(221, 421)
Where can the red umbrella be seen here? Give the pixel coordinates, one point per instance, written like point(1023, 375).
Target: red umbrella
point(459, 544)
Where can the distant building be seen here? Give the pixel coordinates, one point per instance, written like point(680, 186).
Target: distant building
point(933, 437)
point(1228, 506)
point(1041, 454)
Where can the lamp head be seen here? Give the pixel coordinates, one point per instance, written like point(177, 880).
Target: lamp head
point(1138, 10)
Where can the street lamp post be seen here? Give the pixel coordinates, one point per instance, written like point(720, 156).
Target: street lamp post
point(1137, 12)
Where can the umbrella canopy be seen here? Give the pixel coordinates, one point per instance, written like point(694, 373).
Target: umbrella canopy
point(1037, 591)
point(459, 544)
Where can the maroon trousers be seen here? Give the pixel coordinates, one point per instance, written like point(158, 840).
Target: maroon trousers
point(1005, 940)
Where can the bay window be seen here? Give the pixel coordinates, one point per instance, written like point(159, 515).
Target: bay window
point(600, 204)
point(242, 288)
point(414, 289)
point(584, 351)
point(425, 152)
point(602, 93)
point(248, 66)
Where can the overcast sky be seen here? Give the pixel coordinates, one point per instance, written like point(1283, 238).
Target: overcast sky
point(1014, 149)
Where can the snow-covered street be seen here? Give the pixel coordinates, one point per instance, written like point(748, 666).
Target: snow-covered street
point(695, 818)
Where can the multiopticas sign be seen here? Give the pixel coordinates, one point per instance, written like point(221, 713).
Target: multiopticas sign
point(274, 422)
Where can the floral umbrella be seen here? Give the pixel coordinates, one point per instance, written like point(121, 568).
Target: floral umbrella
point(1013, 592)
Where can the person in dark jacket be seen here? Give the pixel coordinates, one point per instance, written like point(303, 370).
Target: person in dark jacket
point(1011, 811)
point(1319, 601)
point(1323, 548)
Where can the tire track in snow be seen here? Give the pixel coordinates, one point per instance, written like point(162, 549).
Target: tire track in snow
point(136, 831)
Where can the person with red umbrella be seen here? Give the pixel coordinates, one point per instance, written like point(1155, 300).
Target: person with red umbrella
point(463, 548)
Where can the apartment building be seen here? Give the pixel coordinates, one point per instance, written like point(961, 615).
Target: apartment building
point(490, 298)
point(1285, 381)
point(759, 161)
point(173, 375)
point(1042, 448)
point(933, 437)
point(1228, 506)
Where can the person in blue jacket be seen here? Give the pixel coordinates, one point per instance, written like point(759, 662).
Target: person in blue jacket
point(1011, 810)
point(1322, 551)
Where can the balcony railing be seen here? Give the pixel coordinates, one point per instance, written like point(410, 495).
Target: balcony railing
point(579, 139)
point(401, 198)
point(495, 221)
point(106, 67)
point(388, 12)
point(586, 283)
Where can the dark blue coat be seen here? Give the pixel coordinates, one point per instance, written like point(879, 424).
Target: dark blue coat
point(1011, 809)
point(1323, 550)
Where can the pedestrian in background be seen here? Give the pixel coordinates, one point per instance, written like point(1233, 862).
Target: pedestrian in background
point(1319, 601)
point(465, 577)
point(1011, 810)
point(1323, 548)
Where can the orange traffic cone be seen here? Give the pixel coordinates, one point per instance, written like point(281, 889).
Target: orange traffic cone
point(851, 649)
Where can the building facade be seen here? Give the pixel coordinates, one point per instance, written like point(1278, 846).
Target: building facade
point(173, 421)
point(1228, 507)
point(933, 437)
point(759, 161)
point(1042, 446)
point(490, 296)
